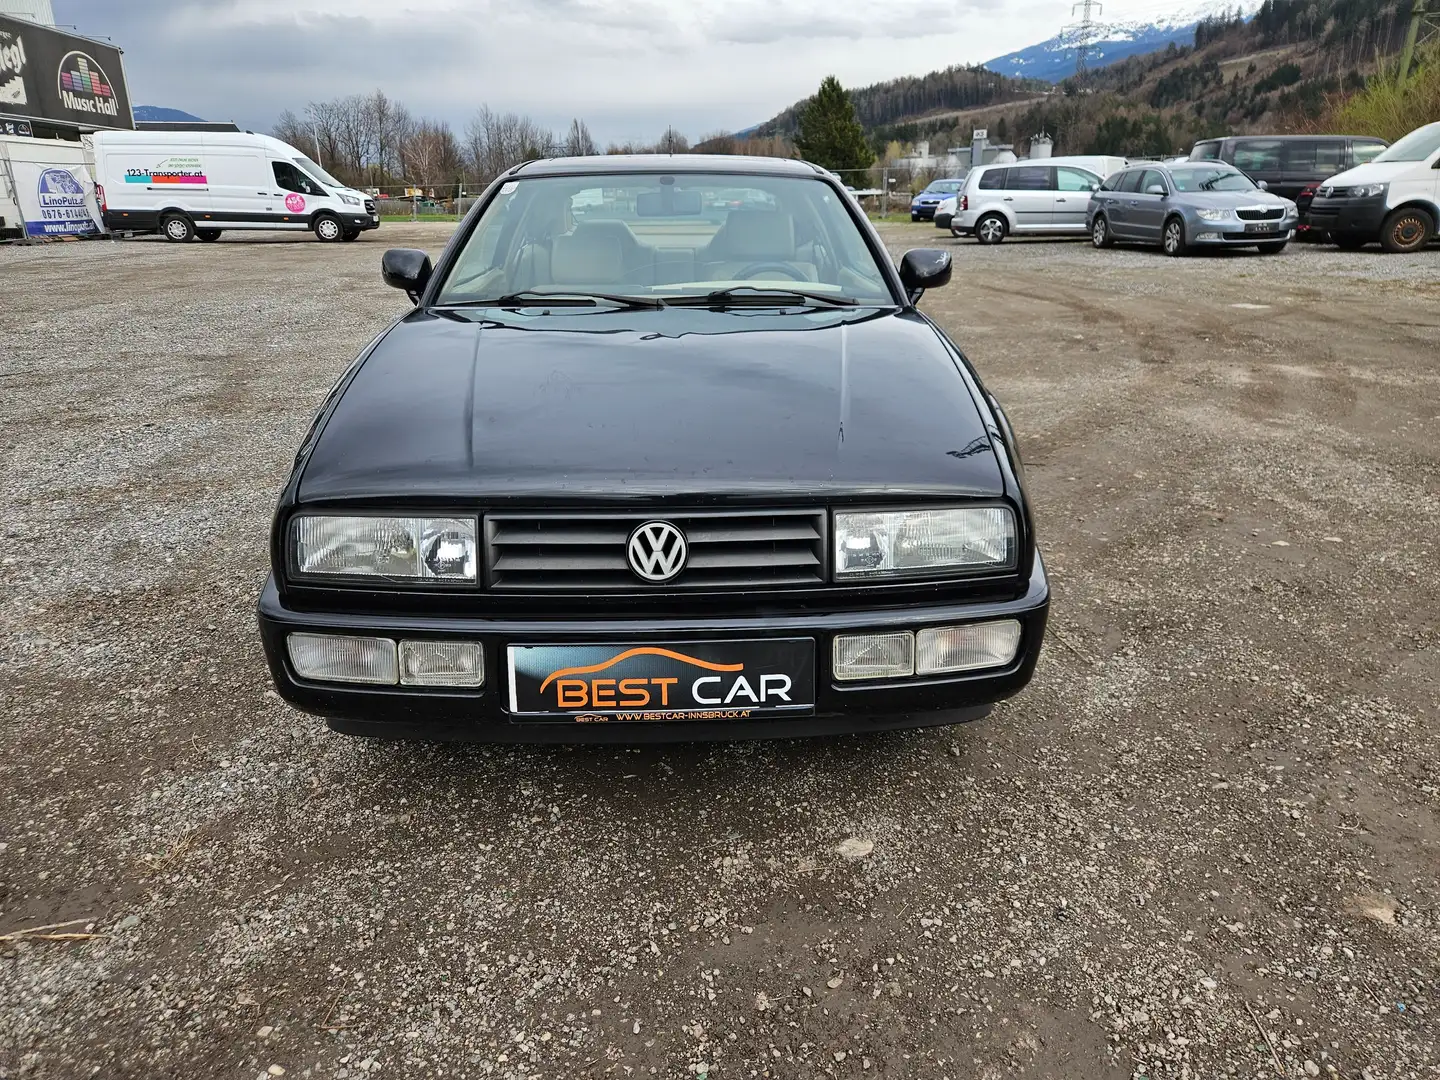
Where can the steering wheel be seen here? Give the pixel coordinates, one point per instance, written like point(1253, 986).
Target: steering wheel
point(754, 270)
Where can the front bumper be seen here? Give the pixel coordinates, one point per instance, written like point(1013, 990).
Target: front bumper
point(943, 219)
point(922, 212)
point(1233, 231)
point(483, 716)
point(1361, 217)
point(361, 222)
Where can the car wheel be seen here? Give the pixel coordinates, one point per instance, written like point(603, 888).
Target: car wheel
point(1407, 229)
point(328, 229)
point(1272, 249)
point(1350, 241)
point(353, 234)
point(208, 234)
point(1172, 239)
point(1100, 232)
point(990, 229)
point(178, 228)
point(914, 217)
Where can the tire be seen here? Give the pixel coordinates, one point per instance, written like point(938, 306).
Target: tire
point(1405, 230)
point(1350, 241)
point(1272, 249)
point(208, 235)
point(353, 234)
point(1172, 238)
point(914, 217)
point(1100, 232)
point(177, 228)
point(991, 229)
point(328, 228)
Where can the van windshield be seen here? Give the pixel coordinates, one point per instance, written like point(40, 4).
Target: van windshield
point(1417, 146)
point(317, 172)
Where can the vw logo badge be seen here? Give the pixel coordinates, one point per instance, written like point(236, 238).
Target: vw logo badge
point(657, 551)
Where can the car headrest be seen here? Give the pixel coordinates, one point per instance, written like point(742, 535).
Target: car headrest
point(586, 256)
point(757, 234)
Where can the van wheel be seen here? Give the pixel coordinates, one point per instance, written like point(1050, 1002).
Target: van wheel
point(328, 229)
point(208, 234)
point(353, 234)
point(1172, 240)
point(1100, 233)
point(1407, 229)
point(990, 229)
point(178, 228)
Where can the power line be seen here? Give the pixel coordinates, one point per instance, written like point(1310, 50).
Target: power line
point(1082, 35)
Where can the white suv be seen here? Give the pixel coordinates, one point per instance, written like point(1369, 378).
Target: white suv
point(1034, 198)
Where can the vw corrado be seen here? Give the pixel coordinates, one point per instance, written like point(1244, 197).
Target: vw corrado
point(649, 462)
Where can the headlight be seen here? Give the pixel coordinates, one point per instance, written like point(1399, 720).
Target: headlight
point(1365, 191)
point(349, 200)
point(431, 549)
point(909, 543)
point(1214, 215)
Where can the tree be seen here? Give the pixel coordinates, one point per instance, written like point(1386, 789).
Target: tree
point(578, 142)
point(830, 135)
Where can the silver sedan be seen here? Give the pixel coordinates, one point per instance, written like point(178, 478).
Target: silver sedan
point(1197, 204)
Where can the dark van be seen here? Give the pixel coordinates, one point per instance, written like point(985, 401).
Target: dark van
point(1291, 166)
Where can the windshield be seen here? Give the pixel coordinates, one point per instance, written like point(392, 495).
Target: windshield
point(1417, 146)
point(654, 236)
point(317, 172)
point(1211, 178)
point(945, 187)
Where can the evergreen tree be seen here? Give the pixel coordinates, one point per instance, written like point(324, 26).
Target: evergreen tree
point(830, 135)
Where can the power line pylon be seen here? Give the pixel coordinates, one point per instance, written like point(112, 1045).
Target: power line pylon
point(1083, 33)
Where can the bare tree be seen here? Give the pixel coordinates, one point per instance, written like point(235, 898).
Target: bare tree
point(578, 142)
point(430, 155)
point(672, 142)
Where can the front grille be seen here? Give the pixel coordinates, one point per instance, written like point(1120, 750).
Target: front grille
point(1327, 191)
point(370, 206)
point(587, 552)
point(1260, 213)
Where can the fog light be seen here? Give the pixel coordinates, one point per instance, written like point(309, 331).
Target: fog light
point(944, 649)
point(1208, 236)
point(874, 656)
point(442, 663)
point(337, 658)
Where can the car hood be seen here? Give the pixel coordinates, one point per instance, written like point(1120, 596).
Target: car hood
point(677, 403)
point(1372, 172)
point(1229, 200)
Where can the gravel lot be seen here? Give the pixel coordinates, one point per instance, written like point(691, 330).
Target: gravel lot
point(1205, 842)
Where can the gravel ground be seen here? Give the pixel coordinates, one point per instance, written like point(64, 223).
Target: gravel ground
point(1203, 843)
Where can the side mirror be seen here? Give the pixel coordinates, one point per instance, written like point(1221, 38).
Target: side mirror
point(924, 268)
point(1094, 186)
point(1155, 189)
point(1263, 185)
point(408, 269)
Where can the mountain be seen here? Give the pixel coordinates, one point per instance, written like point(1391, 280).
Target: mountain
point(1054, 59)
point(160, 114)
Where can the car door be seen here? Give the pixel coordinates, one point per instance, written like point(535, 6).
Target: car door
point(1030, 194)
point(240, 186)
point(1147, 208)
point(1073, 188)
point(293, 195)
point(1121, 206)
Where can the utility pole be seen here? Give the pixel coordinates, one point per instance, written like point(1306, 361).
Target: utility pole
point(1417, 16)
point(1083, 33)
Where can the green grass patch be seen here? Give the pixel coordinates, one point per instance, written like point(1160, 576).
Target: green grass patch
point(402, 218)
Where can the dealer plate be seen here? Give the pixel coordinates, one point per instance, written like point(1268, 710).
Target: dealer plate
point(650, 682)
point(1260, 227)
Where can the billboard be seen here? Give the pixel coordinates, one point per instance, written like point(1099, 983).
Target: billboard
point(49, 75)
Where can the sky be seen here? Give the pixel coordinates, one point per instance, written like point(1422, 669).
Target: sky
point(628, 68)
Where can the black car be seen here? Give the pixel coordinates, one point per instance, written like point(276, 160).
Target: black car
point(656, 475)
point(1291, 166)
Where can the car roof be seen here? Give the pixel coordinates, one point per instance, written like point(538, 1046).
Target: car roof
point(610, 164)
point(1282, 138)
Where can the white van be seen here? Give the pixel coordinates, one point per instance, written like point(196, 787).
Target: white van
point(184, 184)
point(1393, 198)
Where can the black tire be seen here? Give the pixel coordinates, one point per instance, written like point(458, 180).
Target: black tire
point(914, 217)
point(1272, 249)
point(328, 229)
point(208, 235)
point(991, 229)
point(1172, 237)
point(1405, 230)
point(177, 228)
point(1100, 234)
point(1349, 241)
point(352, 234)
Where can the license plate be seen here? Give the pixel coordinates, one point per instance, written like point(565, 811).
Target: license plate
point(650, 682)
point(1260, 227)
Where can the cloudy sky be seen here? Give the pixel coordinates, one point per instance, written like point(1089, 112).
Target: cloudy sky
point(628, 67)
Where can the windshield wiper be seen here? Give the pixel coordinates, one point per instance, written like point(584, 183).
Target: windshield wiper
point(764, 295)
point(540, 298)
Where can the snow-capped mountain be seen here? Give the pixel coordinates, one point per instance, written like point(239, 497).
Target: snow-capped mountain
point(1114, 39)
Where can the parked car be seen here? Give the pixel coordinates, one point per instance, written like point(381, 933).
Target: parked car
point(945, 211)
point(591, 487)
point(1179, 207)
point(1394, 199)
point(184, 184)
point(922, 206)
point(1025, 200)
point(1291, 166)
